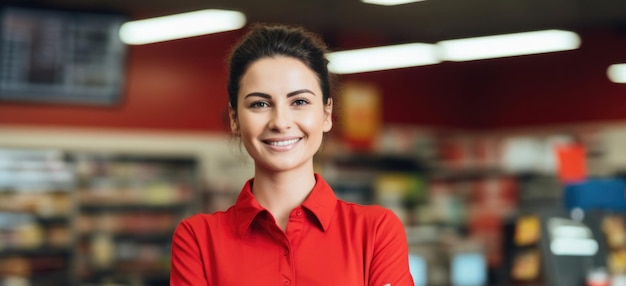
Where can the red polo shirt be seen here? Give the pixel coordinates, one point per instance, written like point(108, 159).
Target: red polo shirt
point(327, 242)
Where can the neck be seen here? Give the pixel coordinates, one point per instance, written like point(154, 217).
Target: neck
point(281, 192)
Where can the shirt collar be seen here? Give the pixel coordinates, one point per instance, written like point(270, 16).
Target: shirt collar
point(321, 202)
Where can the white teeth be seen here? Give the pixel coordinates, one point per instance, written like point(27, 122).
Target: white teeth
point(284, 143)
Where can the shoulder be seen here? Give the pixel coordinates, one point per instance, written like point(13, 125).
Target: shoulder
point(364, 210)
point(204, 222)
point(373, 215)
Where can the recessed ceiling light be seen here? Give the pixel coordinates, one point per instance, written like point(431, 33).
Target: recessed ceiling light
point(180, 26)
point(508, 45)
point(389, 2)
point(382, 58)
point(617, 73)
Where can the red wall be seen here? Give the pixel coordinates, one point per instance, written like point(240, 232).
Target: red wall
point(565, 87)
point(181, 86)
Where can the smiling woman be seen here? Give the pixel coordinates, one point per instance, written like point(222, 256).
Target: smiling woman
point(287, 226)
point(275, 118)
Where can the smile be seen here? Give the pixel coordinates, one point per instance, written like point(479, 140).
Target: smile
point(283, 143)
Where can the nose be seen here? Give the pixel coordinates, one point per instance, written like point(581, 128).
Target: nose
point(280, 119)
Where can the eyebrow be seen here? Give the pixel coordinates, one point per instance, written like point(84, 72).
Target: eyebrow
point(267, 96)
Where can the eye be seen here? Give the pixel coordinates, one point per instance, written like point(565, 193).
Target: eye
point(300, 102)
point(259, 104)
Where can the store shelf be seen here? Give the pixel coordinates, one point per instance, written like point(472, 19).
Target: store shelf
point(82, 218)
point(388, 163)
point(53, 220)
point(60, 278)
point(468, 174)
point(123, 276)
point(40, 251)
point(142, 237)
point(92, 208)
point(39, 218)
point(127, 209)
point(36, 211)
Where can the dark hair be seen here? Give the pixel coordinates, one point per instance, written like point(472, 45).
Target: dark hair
point(264, 41)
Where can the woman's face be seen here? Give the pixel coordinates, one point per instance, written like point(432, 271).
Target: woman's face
point(280, 113)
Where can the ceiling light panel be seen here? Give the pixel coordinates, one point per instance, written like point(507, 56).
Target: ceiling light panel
point(617, 73)
point(382, 58)
point(508, 45)
point(180, 26)
point(389, 2)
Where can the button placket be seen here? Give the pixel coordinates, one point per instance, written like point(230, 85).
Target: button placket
point(286, 265)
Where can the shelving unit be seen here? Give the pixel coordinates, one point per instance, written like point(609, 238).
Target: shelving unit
point(128, 209)
point(447, 190)
point(36, 217)
point(396, 182)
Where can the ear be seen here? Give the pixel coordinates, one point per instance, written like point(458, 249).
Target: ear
point(328, 115)
point(234, 125)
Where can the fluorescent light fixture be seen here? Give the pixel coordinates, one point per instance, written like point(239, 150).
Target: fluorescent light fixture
point(571, 238)
point(389, 2)
point(617, 73)
point(508, 45)
point(382, 58)
point(571, 231)
point(574, 246)
point(179, 26)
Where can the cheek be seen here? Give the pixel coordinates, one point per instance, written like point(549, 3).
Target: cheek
point(314, 123)
point(248, 126)
point(246, 137)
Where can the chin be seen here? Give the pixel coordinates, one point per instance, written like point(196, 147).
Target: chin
point(282, 166)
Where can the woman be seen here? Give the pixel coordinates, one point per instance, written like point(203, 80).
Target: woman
point(286, 227)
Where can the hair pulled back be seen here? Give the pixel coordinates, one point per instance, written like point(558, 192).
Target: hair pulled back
point(264, 41)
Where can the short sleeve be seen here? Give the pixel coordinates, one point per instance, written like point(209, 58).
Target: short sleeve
point(390, 261)
point(186, 266)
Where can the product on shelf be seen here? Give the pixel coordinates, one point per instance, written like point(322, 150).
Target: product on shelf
point(128, 208)
point(35, 217)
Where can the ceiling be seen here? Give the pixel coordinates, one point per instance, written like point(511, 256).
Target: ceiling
point(427, 21)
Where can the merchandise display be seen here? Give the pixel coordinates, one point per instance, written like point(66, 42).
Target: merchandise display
point(36, 210)
point(76, 218)
point(489, 190)
point(507, 171)
point(128, 207)
point(95, 218)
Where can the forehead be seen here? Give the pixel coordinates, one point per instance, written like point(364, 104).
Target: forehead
point(278, 74)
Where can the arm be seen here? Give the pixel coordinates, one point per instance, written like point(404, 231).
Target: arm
point(390, 261)
point(187, 268)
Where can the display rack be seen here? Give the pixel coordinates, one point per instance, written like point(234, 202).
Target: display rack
point(36, 211)
point(455, 190)
point(128, 209)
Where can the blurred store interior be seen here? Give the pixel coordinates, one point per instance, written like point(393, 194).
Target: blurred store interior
point(505, 171)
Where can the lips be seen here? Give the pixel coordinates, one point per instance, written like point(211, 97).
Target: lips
point(282, 143)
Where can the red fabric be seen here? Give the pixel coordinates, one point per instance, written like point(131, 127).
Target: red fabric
point(327, 242)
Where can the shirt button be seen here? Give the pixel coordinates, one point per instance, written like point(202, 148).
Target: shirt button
point(286, 282)
point(299, 212)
